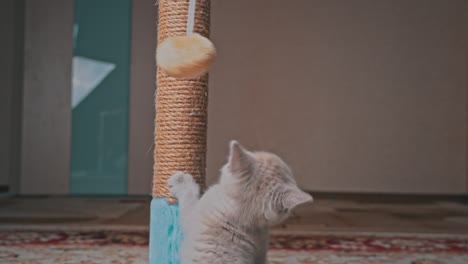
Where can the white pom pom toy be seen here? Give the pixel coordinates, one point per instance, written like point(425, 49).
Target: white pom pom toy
point(186, 57)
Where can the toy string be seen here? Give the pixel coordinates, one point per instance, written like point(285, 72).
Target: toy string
point(191, 16)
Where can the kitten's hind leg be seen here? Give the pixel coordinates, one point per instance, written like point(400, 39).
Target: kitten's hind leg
point(186, 190)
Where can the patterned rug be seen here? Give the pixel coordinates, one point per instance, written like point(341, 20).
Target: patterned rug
point(106, 246)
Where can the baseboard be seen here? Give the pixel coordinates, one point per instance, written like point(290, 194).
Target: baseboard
point(391, 197)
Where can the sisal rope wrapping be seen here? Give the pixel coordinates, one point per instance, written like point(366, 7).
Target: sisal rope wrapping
point(181, 105)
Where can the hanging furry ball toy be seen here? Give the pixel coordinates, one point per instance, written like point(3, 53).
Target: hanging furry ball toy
point(188, 56)
point(185, 57)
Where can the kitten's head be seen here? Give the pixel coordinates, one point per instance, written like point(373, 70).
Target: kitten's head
point(264, 181)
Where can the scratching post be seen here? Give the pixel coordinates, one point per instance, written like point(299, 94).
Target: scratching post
point(180, 131)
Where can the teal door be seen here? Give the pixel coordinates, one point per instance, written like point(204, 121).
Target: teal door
point(100, 91)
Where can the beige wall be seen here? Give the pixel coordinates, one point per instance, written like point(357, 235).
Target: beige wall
point(356, 95)
point(142, 88)
point(6, 78)
point(11, 29)
point(466, 126)
point(46, 113)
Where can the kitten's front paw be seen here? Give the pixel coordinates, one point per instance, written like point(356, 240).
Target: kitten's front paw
point(181, 183)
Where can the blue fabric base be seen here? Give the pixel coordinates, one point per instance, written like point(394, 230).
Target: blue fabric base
point(165, 233)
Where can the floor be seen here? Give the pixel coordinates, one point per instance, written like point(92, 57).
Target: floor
point(327, 213)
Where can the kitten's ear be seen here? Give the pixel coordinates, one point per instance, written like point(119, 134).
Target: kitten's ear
point(240, 160)
point(295, 198)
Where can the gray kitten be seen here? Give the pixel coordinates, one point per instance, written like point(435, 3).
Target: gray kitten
point(229, 223)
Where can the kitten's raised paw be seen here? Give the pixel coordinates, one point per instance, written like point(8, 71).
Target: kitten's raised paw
point(180, 183)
